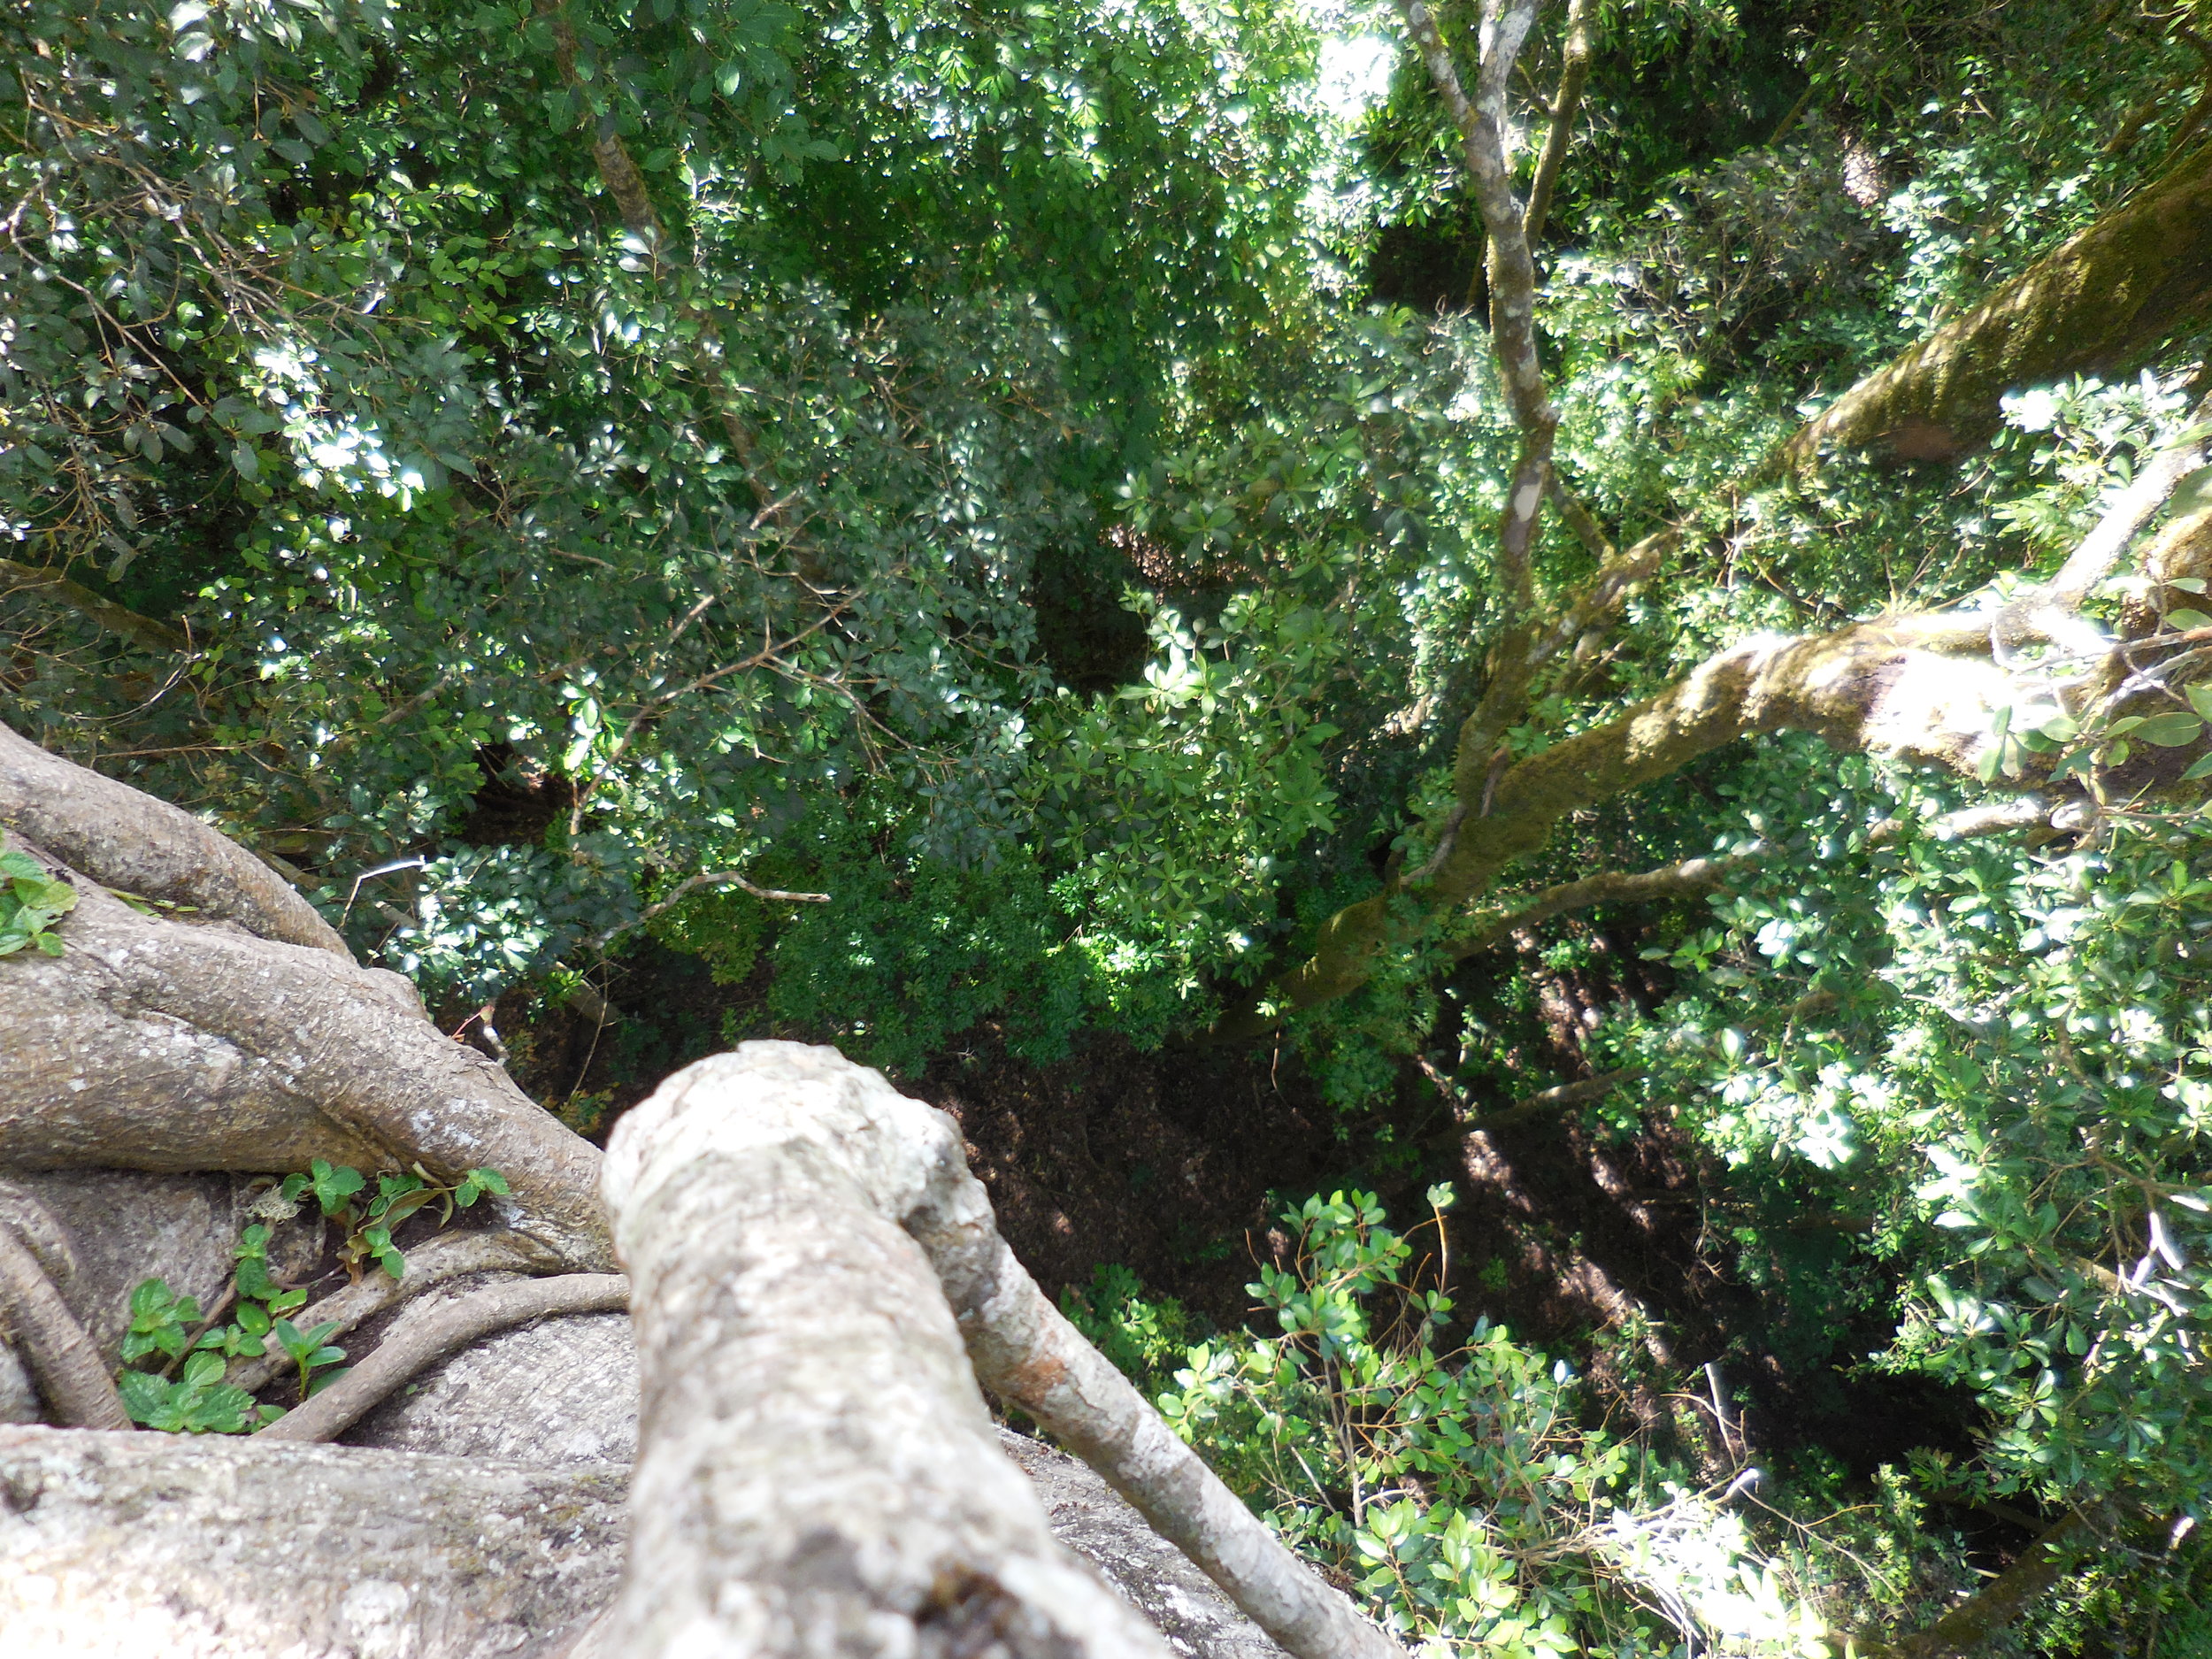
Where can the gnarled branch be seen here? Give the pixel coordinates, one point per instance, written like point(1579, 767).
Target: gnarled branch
point(430, 1334)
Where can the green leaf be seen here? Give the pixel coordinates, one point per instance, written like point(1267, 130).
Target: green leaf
point(2192, 495)
point(2171, 731)
point(144, 1394)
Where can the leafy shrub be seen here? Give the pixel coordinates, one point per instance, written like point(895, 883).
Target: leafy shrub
point(1456, 1487)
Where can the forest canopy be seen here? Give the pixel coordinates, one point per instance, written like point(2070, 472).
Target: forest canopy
point(1609, 596)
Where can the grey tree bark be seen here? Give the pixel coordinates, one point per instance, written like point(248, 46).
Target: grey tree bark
point(210, 1547)
point(817, 1471)
point(124, 838)
point(799, 1238)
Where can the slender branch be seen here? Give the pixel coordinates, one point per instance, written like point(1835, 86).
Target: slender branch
point(1692, 878)
point(690, 885)
point(429, 1335)
point(1574, 74)
point(616, 171)
point(117, 620)
point(2099, 552)
point(1512, 267)
point(1550, 1100)
point(625, 186)
point(1579, 519)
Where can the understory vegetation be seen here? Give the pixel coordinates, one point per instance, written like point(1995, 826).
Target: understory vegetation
point(1271, 551)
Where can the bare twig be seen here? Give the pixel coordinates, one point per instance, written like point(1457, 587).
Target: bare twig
point(714, 879)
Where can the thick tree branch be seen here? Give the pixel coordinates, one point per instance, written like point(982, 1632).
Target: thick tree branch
point(1925, 688)
point(850, 1378)
point(1999, 1603)
point(429, 1334)
point(797, 1357)
point(1861, 689)
point(125, 623)
point(2103, 301)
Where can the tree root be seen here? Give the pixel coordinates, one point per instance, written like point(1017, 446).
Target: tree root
point(428, 1335)
point(162, 1046)
point(211, 1546)
point(435, 1260)
point(124, 838)
point(68, 1369)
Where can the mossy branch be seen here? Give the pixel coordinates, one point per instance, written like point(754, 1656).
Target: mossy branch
point(2103, 301)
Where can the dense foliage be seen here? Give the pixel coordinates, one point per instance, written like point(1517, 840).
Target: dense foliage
point(576, 479)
